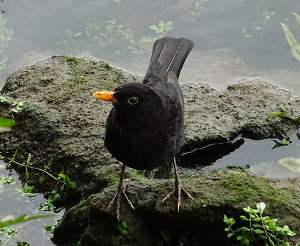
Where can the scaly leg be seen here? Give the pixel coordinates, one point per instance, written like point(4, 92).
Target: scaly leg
point(121, 191)
point(178, 188)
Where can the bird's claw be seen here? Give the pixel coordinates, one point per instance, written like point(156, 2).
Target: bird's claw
point(117, 200)
point(178, 190)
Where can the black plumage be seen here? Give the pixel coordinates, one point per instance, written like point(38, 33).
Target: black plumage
point(145, 128)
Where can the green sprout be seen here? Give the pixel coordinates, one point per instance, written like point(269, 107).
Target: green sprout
point(18, 106)
point(282, 142)
point(257, 229)
point(3, 99)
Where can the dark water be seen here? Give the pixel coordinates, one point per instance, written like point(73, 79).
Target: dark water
point(233, 39)
point(260, 156)
point(15, 203)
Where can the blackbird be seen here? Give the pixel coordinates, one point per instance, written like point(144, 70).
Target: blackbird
point(145, 128)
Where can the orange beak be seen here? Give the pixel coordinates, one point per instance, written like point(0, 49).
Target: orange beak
point(105, 96)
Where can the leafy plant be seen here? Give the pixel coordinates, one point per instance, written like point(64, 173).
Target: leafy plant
point(257, 229)
point(6, 180)
point(112, 38)
point(62, 186)
point(27, 190)
point(292, 41)
point(23, 244)
point(3, 99)
point(18, 106)
point(49, 228)
point(282, 142)
point(199, 5)
point(162, 27)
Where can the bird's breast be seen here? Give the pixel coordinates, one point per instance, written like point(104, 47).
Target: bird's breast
point(138, 148)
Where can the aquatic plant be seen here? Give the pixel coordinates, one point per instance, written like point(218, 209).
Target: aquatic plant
point(62, 182)
point(197, 8)
point(257, 229)
point(112, 39)
point(292, 41)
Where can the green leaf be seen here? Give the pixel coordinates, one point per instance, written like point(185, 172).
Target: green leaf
point(244, 218)
point(23, 244)
point(7, 122)
point(21, 219)
point(292, 41)
point(244, 229)
point(3, 99)
point(297, 18)
point(258, 231)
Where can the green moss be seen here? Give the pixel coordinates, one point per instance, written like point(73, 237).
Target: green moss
point(76, 80)
point(73, 60)
point(82, 71)
point(247, 189)
point(137, 174)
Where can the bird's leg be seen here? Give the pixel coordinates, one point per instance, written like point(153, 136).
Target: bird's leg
point(178, 188)
point(121, 191)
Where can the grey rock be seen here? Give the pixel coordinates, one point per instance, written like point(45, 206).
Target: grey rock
point(63, 125)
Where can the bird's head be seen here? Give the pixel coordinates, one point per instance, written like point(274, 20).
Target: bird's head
point(133, 102)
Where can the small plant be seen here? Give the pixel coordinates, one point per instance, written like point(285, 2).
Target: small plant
point(6, 180)
point(49, 228)
point(257, 229)
point(199, 5)
point(62, 186)
point(6, 234)
point(162, 27)
point(23, 244)
point(292, 41)
point(3, 99)
point(27, 190)
point(106, 36)
point(282, 142)
point(18, 106)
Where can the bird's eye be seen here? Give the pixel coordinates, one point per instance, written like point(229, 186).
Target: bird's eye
point(133, 100)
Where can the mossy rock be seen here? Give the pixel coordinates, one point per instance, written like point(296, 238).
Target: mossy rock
point(62, 124)
point(199, 222)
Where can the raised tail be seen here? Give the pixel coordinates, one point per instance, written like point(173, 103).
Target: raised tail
point(168, 55)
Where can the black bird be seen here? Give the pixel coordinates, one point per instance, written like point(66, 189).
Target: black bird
point(145, 128)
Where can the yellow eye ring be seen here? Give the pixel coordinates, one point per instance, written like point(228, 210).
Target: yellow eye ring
point(133, 100)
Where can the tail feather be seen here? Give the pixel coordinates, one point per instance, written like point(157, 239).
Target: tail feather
point(168, 55)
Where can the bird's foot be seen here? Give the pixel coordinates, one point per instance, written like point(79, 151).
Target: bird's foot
point(116, 201)
point(179, 189)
